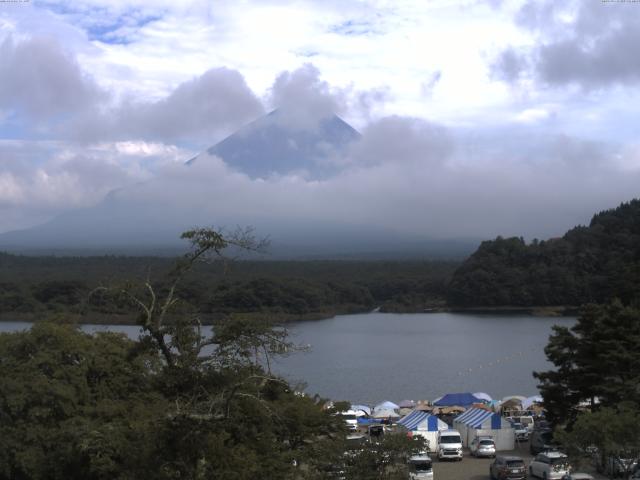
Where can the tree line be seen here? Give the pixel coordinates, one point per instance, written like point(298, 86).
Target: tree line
point(34, 287)
point(589, 264)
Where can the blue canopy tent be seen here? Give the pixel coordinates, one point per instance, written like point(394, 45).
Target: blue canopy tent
point(424, 424)
point(368, 421)
point(477, 422)
point(457, 400)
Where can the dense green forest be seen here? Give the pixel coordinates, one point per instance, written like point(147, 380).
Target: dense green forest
point(588, 264)
point(174, 404)
point(31, 287)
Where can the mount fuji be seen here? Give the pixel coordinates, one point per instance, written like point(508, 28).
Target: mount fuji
point(241, 180)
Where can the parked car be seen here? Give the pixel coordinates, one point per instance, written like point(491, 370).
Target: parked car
point(482, 447)
point(507, 468)
point(350, 419)
point(420, 467)
point(521, 431)
point(541, 441)
point(549, 466)
point(449, 445)
point(527, 421)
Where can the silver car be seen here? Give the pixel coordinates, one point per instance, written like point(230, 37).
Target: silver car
point(549, 466)
point(482, 447)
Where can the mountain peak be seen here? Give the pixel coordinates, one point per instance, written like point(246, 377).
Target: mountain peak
point(281, 143)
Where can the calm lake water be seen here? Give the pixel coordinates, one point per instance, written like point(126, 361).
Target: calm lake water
point(368, 358)
point(372, 357)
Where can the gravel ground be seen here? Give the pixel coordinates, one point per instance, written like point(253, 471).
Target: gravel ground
point(471, 468)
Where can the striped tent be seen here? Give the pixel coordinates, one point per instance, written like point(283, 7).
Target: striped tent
point(418, 418)
point(475, 417)
point(477, 422)
point(423, 424)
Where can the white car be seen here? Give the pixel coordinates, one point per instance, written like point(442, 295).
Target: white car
point(550, 466)
point(521, 431)
point(420, 467)
point(482, 447)
point(350, 419)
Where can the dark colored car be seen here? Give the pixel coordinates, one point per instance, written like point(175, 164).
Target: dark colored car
point(507, 467)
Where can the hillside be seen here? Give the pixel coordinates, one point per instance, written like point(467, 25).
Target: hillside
point(588, 264)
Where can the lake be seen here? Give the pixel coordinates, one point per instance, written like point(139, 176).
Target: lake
point(368, 358)
point(372, 357)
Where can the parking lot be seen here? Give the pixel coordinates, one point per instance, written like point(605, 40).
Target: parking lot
point(471, 468)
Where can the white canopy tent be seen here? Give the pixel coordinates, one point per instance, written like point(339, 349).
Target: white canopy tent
point(483, 396)
point(385, 413)
point(361, 410)
point(387, 405)
point(423, 424)
point(529, 401)
point(478, 421)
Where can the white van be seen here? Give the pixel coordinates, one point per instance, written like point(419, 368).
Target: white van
point(420, 467)
point(449, 444)
point(351, 419)
point(528, 421)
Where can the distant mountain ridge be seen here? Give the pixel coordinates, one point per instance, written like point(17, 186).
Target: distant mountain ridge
point(269, 145)
point(588, 264)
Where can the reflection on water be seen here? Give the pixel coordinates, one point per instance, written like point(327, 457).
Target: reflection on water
point(372, 357)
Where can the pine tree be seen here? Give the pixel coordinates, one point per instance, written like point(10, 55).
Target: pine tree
point(597, 362)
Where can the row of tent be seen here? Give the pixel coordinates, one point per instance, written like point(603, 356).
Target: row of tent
point(472, 423)
point(468, 399)
point(480, 417)
point(463, 400)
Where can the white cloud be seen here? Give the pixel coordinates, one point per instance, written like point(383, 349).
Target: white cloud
point(402, 177)
point(451, 146)
point(39, 180)
point(533, 115)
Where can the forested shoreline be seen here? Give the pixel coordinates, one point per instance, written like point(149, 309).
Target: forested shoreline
point(32, 288)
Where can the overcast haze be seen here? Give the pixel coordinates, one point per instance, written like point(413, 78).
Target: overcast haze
point(477, 118)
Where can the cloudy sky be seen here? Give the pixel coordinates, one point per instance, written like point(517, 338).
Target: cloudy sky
point(478, 117)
